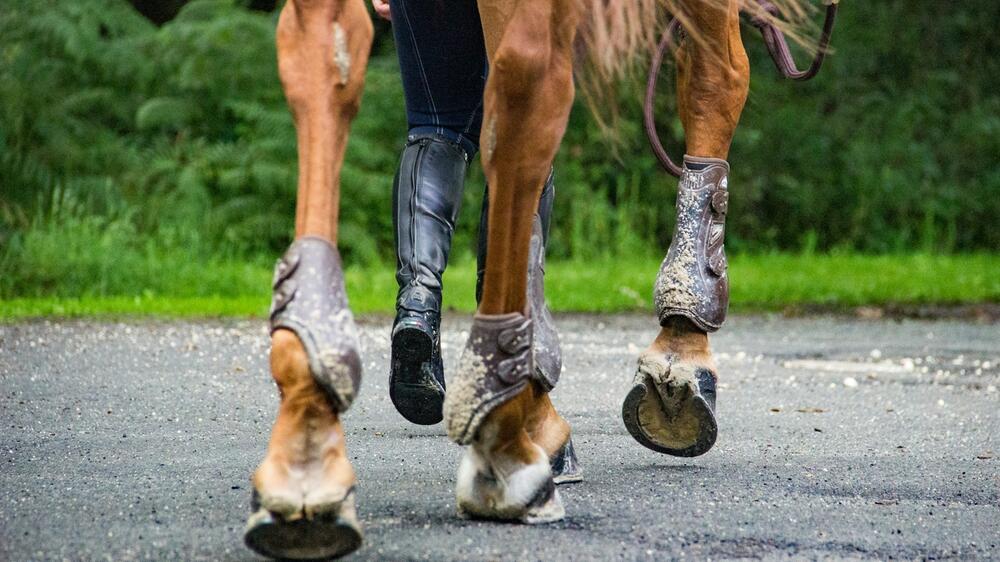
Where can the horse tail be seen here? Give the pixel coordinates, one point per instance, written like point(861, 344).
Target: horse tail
point(616, 38)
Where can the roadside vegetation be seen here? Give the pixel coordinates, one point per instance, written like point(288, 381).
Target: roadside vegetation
point(151, 169)
point(760, 283)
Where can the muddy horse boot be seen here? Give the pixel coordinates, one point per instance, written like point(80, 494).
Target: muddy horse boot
point(671, 407)
point(545, 349)
point(426, 199)
point(303, 492)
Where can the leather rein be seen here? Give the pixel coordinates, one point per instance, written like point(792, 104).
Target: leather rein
point(777, 47)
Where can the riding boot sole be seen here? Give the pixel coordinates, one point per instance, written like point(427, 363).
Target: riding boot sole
point(414, 391)
point(686, 428)
point(323, 536)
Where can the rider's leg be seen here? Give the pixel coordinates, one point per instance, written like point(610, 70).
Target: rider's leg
point(497, 393)
point(443, 64)
point(671, 406)
point(303, 490)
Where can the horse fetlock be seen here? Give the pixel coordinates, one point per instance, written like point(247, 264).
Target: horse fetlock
point(499, 486)
point(545, 426)
point(289, 363)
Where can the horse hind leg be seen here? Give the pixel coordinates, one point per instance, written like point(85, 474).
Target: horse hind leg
point(303, 504)
point(498, 405)
point(671, 407)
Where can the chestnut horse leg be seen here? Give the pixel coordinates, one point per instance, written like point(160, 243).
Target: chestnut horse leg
point(713, 80)
point(303, 486)
point(664, 411)
point(505, 473)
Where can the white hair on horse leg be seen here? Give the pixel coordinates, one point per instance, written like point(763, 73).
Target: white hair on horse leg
point(341, 54)
point(523, 483)
point(496, 486)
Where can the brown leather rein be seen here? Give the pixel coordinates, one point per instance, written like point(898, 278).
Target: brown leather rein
point(777, 47)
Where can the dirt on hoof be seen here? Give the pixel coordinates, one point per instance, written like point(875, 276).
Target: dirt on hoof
point(671, 407)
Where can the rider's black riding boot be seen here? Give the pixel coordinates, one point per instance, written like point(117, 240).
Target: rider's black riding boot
point(544, 212)
point(426, 198)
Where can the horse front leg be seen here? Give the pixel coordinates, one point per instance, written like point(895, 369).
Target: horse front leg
point(671, 407)
point(303, 490)
point(517, 445)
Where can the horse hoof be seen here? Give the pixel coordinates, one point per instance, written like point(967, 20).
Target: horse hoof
point(547, 509)
point(525, 493)
point(671, 410)
point(565, 467)
point(414, 391)
point(328, 531)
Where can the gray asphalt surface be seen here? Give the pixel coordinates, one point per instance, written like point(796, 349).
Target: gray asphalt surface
point(838, 438)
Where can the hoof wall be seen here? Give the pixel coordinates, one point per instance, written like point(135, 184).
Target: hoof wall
point(685, 427)
point(548, 511)
point(565, 467)
point(322, 537)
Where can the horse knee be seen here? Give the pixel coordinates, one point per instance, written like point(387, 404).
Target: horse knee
point(739, 71)
point(522, 59)
point(329, 39)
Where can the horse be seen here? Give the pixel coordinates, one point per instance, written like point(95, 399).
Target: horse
point(517, 447)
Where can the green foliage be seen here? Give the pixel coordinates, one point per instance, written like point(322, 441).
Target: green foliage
point(130, 147)
point(834, 283)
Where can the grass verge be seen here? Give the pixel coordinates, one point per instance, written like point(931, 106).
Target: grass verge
point(759, 283)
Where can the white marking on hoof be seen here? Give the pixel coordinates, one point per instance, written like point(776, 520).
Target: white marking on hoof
point(287, 506)
point(332, 499)
point(505, 490)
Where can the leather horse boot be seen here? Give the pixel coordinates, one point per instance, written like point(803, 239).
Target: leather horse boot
point(301, 513)
point(546, 352)
point(426, 197)
point(671, 407)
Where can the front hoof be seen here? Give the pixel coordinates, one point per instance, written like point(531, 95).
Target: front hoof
point(321, 532)
point(526, 494)
point(671, 408)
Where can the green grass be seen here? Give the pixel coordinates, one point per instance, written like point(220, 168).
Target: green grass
point(759, 283)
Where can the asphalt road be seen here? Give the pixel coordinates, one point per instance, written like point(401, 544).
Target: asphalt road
point(838, 438)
